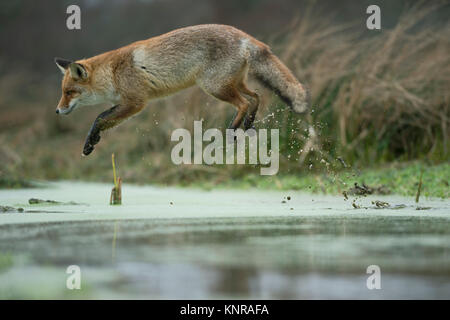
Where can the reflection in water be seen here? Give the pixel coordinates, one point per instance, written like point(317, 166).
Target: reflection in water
point(113, 253)
point(235, 281)
point(271, 258)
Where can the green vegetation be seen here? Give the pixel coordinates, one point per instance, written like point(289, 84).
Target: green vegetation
point(401, 179)
point(12, 182)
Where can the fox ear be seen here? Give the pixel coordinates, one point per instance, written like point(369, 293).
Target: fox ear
point(77, 71)
point(62, 64)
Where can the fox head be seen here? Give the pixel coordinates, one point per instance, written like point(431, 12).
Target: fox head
point(76, 87)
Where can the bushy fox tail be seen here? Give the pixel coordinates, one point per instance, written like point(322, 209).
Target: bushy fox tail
point(273, 74)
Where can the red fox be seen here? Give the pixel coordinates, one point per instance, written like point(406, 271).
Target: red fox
point(218, 58)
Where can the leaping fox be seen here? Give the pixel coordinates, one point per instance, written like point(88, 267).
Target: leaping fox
point(217, 58)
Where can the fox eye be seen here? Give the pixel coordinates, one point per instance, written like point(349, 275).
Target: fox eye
point(69, 92)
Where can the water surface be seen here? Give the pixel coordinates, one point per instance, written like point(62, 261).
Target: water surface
point(168, 243)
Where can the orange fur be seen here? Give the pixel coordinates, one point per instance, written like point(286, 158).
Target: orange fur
point(217, 58)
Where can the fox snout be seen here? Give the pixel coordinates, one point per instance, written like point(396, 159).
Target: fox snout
point(58, 110)
point(62, 107)
point(67, 103)
point(65, 109)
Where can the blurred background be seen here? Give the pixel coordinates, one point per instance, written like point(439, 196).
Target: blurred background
point(379, 97)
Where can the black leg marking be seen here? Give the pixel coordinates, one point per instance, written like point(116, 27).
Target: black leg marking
point(94, 133)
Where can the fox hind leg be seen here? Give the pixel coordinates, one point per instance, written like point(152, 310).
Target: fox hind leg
point(250, 118)
point(230, 87)
point(233, 96)
point(230, 93)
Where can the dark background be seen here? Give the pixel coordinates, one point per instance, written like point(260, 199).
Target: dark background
point(32, 32)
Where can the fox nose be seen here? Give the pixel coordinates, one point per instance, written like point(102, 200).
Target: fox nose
point(57, 111)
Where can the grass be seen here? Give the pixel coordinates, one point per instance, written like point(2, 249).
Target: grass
point(14, 182)
point(401, 179)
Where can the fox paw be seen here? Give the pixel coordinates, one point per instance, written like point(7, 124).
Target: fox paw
point(88, 148)
point(91, 141)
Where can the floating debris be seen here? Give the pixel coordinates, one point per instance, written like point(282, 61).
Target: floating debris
point(363, 190)
point(8, 209)
point(344, 193)
point(399, 206)
point(381, 204)
point(423, 208)
point(360, 190)
point(355, 205)
point(41, 201)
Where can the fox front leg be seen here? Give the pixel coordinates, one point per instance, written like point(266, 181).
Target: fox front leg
point(106, 120)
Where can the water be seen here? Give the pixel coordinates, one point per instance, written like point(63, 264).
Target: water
point(220, 244)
